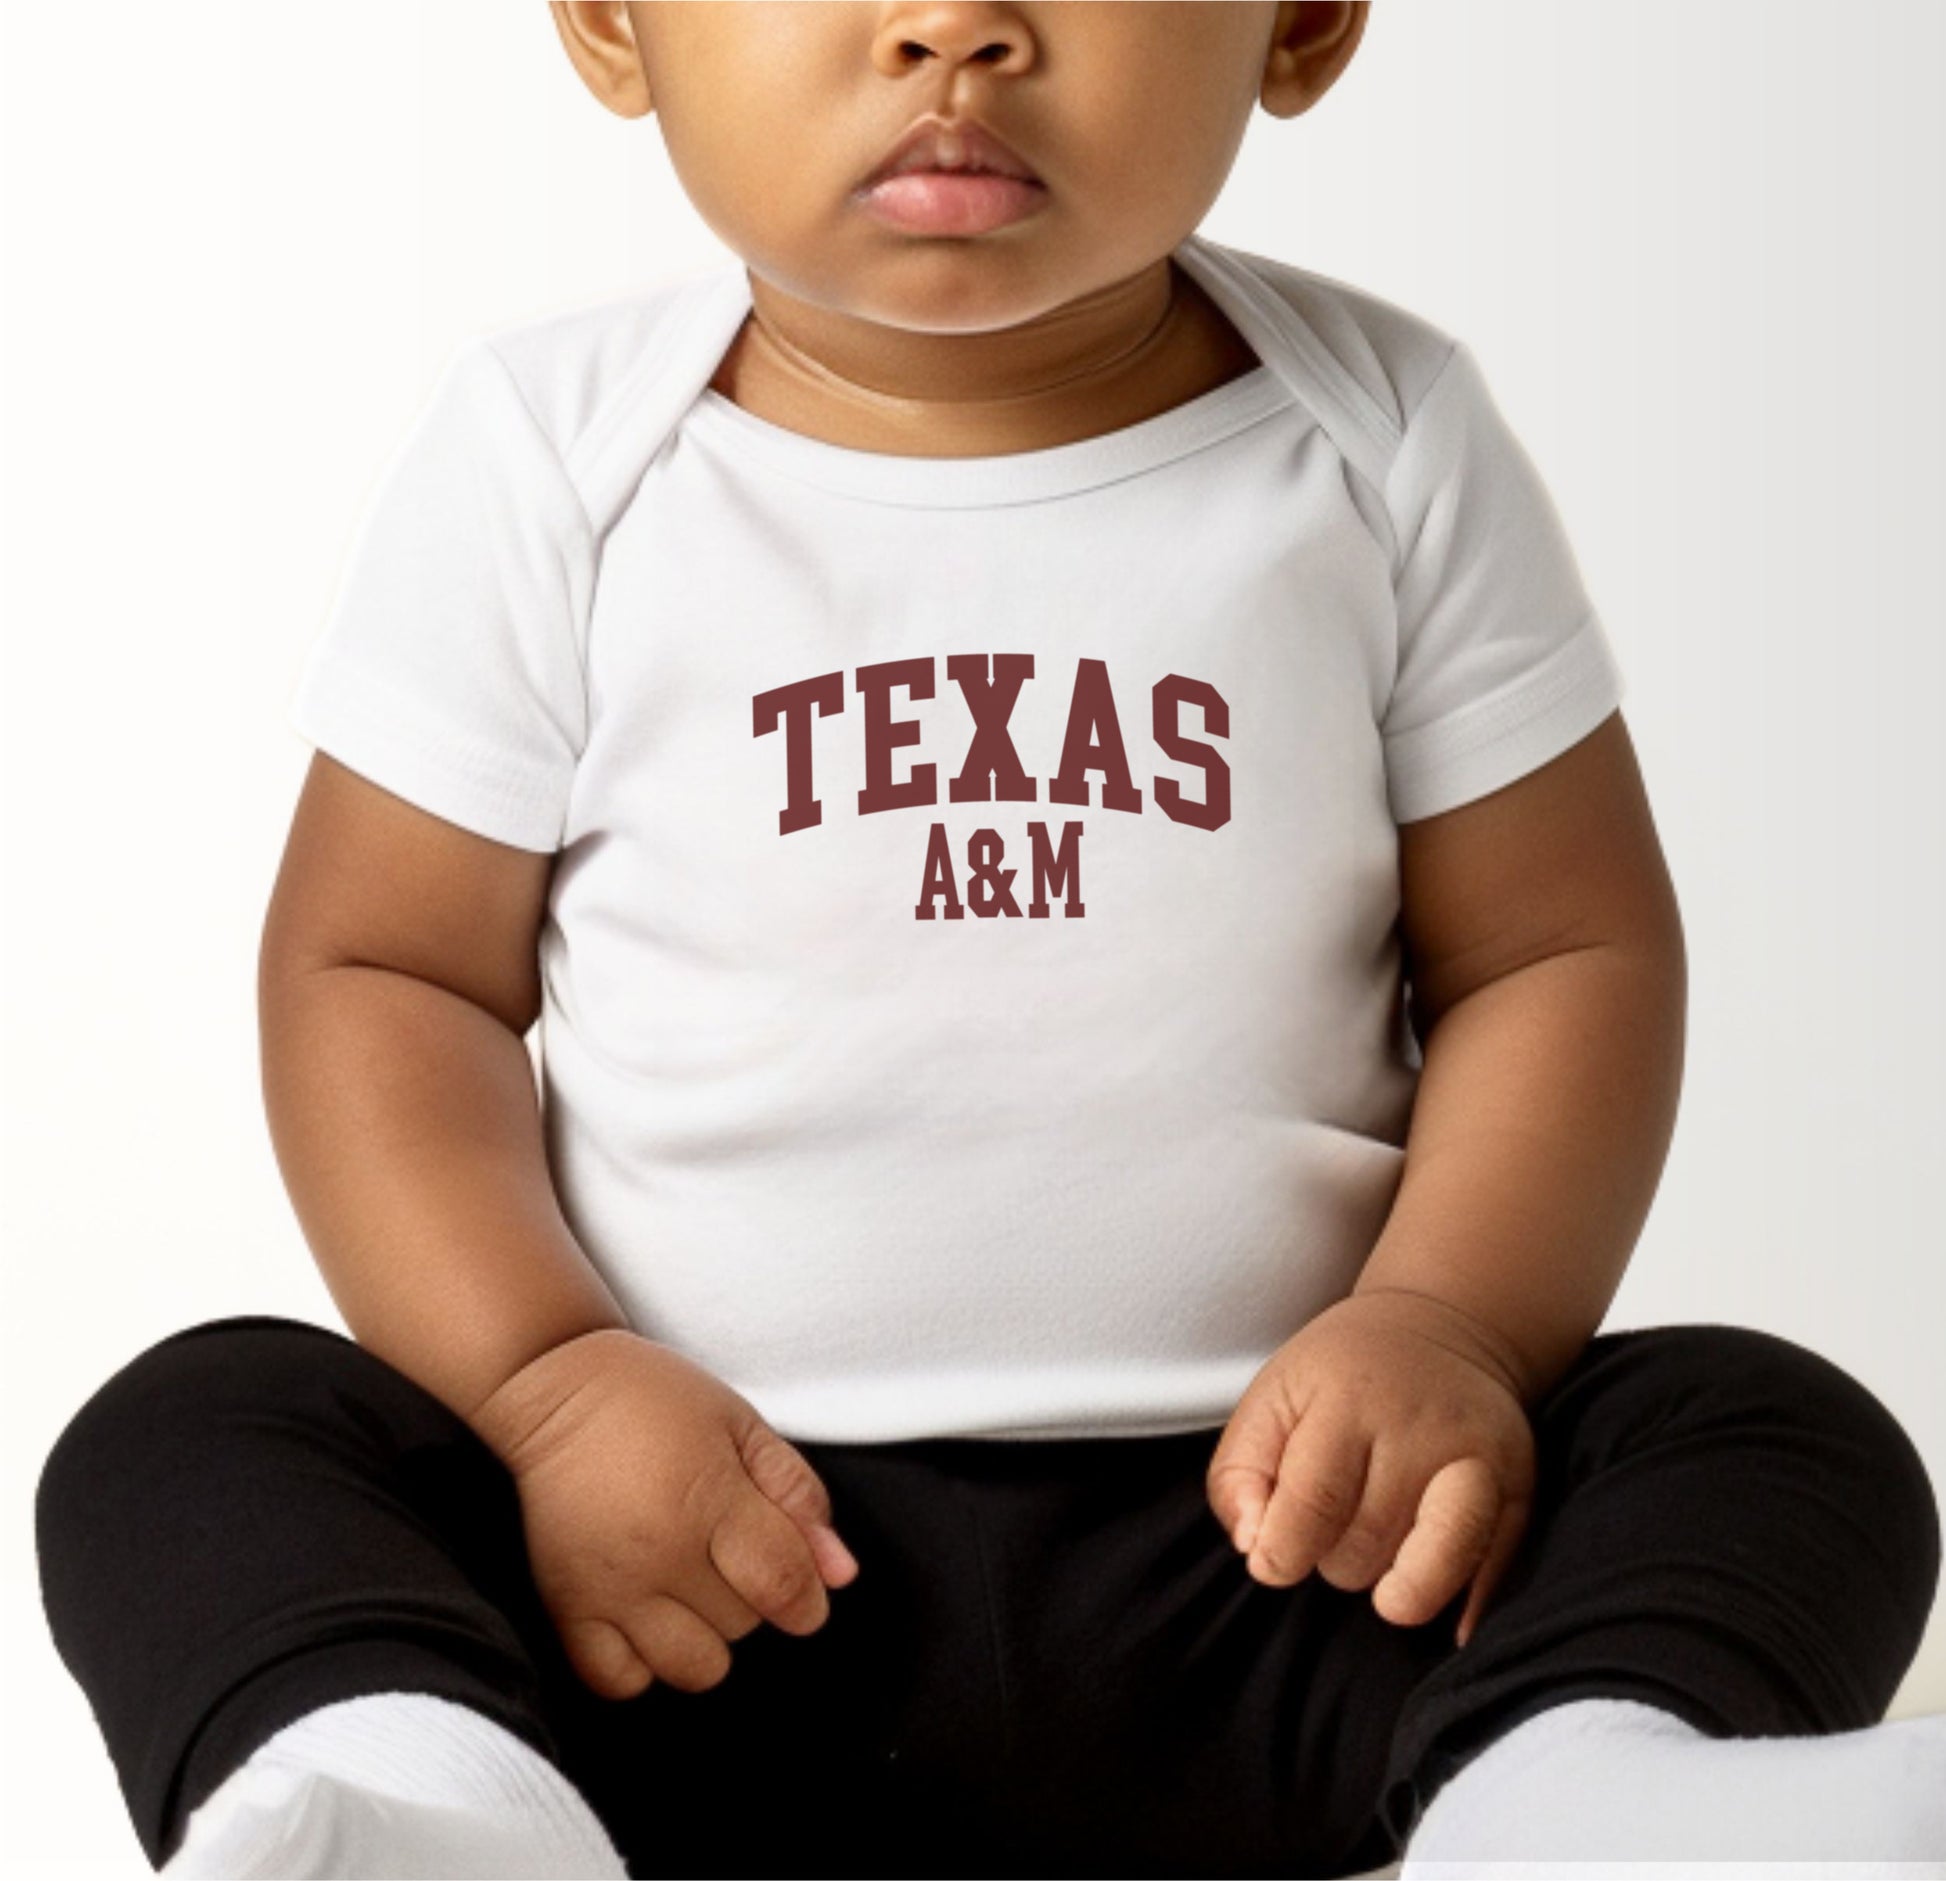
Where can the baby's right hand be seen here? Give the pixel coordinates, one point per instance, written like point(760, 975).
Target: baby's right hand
point(663, 1516)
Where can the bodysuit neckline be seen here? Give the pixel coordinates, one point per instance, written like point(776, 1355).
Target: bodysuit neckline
point(715, 420)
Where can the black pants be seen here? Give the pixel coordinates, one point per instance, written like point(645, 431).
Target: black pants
point(1052, 1660)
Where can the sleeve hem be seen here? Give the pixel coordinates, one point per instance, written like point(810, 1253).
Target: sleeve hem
point(1492, 742)
point(337, 711)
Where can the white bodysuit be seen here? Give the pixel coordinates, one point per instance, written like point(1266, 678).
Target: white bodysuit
point(972, 983)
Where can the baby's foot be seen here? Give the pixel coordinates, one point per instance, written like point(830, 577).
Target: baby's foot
point(396, 1784)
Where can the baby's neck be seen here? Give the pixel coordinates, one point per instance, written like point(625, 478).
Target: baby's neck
point(1194, 352)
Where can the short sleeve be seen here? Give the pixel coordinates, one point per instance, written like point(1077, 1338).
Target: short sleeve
point(449, 669)
point(1502, 662)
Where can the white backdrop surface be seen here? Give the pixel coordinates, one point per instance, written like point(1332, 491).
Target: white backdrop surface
point(1701, 256)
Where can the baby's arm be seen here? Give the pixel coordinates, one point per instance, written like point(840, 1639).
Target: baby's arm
point(399, 974)
point(1549, 980)
point(397, 978)
point(1388, 1440)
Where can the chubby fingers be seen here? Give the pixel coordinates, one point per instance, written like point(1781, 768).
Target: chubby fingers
point(1516, 1507)
point(783, 1473)
point(769, 1565)
point(1459, 1522)
point(660, 1638)
point(1320, 1486)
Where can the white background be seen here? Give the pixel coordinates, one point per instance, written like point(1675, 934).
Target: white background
point(1698, 252)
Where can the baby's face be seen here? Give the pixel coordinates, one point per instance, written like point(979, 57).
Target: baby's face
point(1128, 112)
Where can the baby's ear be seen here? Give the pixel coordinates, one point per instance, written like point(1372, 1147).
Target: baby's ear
point(600, 39)
point(1311, 43)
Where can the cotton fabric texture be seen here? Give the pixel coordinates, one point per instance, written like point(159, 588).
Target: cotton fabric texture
point(973, 999)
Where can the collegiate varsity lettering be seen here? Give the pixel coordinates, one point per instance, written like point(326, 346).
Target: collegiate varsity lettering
point(992, 770)
point(972, 984)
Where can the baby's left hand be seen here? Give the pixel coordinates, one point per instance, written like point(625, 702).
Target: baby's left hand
point(1383, 1441)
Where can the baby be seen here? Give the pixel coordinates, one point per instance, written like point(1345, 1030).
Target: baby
point(1111, 1011)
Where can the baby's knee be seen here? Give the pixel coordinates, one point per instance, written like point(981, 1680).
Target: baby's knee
point(1762, 1385)
point(151, 1417)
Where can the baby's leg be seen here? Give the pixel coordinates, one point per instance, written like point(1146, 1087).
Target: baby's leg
point(1733, 1544)
point(279, 1568)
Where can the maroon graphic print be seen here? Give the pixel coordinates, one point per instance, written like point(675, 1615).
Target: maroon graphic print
point(991, 770)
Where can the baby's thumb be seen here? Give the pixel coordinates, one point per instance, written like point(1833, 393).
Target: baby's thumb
point(780, 1470)
point(1242, 1472)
